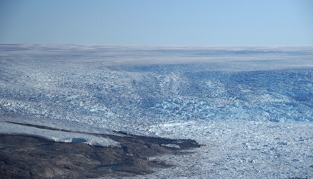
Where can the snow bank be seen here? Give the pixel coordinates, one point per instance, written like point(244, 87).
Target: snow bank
point(59, 136)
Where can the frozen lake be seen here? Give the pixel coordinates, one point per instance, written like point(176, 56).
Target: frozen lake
point(252, 107)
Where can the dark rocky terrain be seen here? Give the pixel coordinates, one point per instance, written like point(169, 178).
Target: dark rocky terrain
point(23, 156)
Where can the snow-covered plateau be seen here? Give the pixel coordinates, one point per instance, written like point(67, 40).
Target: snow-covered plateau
point(250, 107)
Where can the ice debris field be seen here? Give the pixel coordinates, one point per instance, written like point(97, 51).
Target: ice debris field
point(251, 107)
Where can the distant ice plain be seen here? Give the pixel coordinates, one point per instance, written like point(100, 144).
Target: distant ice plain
point(250, 106)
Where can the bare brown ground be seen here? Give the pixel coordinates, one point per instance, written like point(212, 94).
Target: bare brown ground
point(23, 156)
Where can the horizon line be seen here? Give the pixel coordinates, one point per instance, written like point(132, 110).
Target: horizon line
point(155, 46)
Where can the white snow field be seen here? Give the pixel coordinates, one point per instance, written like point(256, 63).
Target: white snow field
point(250, 107)
point(241, 149)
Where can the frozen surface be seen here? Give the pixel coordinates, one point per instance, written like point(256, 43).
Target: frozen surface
point(241, 149)
point(251, 107)
point(60, 136)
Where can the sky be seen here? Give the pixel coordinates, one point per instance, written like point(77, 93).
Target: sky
point(158, 22)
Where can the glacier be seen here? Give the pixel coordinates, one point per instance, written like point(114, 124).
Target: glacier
point(250, 106)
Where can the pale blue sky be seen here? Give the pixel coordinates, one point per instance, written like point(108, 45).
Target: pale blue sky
point(157, 22)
